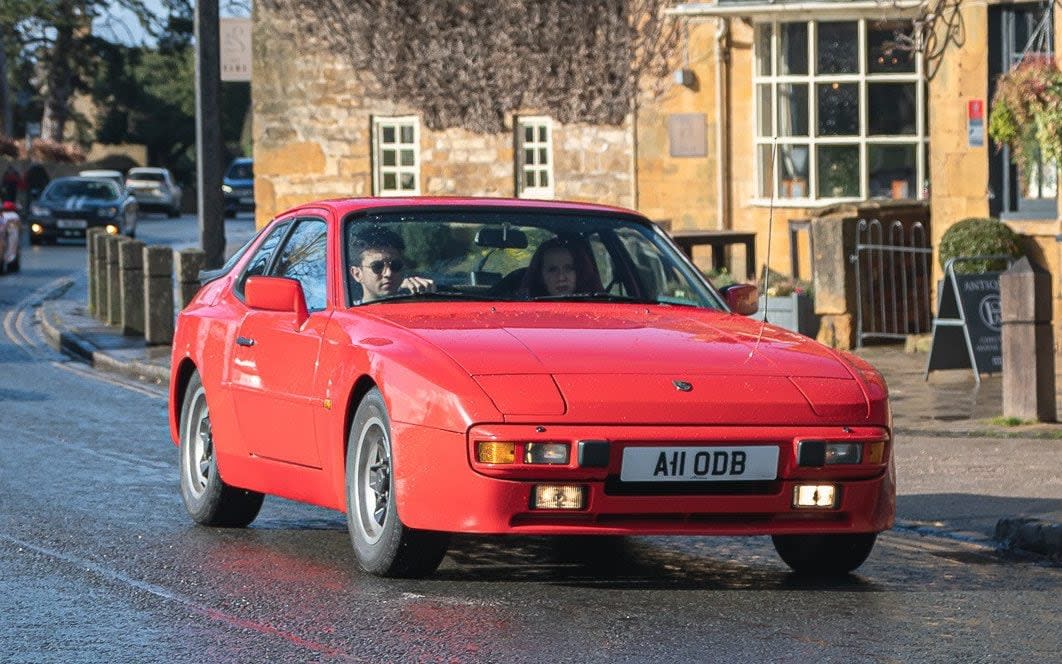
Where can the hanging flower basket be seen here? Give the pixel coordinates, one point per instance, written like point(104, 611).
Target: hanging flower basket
point(1026, 113)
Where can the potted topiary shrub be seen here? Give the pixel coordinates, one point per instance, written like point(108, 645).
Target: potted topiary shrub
point(979, 236)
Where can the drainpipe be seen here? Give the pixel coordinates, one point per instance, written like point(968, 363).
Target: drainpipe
point(722, 198)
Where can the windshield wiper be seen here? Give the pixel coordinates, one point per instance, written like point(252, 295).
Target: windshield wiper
point(596, 296)
point(434, 295)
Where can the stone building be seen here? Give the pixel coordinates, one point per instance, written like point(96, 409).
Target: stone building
point(775, 111)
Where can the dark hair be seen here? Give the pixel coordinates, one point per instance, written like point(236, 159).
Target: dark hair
point(373, 237)
point(587, 279)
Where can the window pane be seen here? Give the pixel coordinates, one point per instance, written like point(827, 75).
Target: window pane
point(892, 171)
point(838, 109)
point(529, 156)
point(408, 182)
point(838, 171)
point(793, 49)
point(763, 50)
point(388, 134)
point(390, 183)
point(792, 109)
point(793, 171)
point(838, 48)
point(387, 157)
point(882, 58)
point(763, 108)
point(407, 134)
point(303, 259)
point(891, 109)
point(542, 134)
point(529, 178)
point(529, 134)
point(543, 179)
point(542, 156)
point(407, 157)
point(766, 170)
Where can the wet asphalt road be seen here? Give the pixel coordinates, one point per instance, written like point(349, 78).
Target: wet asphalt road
point(98, 562)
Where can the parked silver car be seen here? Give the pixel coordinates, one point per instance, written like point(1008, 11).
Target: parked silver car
point(155, 189)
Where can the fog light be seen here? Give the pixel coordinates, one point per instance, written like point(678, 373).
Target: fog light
point(814, 495)
point(557, 497)
point(843, 453)
point(112, 229)
point(494, 452)
point(550, 453)
point(37, 229)
point(874, 452)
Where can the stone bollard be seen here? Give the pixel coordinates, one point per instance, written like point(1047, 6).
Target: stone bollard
point(1028, 343)
point(187, 264)
point(113, 310)
point(131, 280)
point(90, 269)
point(99, 266)
point(158, 295)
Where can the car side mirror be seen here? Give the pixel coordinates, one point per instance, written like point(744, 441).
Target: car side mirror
point(277, 294)
point(742, 299)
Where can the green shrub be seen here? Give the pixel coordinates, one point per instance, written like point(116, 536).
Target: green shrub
point(979, 237)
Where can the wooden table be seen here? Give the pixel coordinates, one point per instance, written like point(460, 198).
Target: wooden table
point(719, 241)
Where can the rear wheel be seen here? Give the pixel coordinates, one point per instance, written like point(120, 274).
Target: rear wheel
point(382, 544)
point(209, 501)
point(824, 555)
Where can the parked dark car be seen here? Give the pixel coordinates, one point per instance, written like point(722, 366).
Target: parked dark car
point(70, 206)
point(238, 186)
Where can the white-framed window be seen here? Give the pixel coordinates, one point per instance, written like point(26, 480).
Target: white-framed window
point(396, 156)
point(839, 112)
point(534, 157)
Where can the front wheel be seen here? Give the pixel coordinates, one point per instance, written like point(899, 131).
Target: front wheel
point(209, 501)
point(824, 555)
point(383, 545)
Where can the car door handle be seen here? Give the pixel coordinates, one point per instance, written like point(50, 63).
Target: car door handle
point(244, 341)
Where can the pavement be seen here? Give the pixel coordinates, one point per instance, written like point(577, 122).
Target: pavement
point(963, 472)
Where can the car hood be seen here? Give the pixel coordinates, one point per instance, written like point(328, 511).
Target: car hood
point(637, 363)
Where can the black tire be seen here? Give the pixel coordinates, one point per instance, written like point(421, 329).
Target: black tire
point(824, 555)
point(229, 214)
point(383, 545)
point(173, 213)
point(15, 265)
point(209, 501)
point(34, 240)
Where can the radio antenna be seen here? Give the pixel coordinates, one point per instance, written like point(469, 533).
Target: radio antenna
point(770, 233)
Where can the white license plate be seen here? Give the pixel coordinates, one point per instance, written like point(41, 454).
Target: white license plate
point(699, 464)
point(71, 223)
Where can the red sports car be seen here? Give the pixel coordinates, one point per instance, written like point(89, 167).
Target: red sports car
point(434, 366)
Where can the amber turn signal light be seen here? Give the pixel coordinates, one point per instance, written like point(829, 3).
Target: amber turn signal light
point(495, 452)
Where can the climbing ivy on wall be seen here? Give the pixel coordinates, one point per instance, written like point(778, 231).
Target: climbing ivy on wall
point(471, 63)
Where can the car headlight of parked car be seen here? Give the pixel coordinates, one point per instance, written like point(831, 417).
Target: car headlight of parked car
point(39, 211)
point(108, 211)
point(226, 188)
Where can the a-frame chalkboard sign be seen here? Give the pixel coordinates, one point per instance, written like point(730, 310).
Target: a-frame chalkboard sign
point(967, 330)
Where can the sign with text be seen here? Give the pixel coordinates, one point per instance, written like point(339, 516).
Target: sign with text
point(235, 49)
point(968, 328)
point(975, 123)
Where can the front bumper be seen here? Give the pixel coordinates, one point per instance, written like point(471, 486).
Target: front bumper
point(440, 487)
point(49, 228)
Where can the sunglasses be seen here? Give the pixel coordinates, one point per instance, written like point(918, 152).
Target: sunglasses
point(377, 267)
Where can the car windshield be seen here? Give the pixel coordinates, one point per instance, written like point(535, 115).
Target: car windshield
point(150, 175)
point(94, 189)
point(528, 255)
point(240, 171)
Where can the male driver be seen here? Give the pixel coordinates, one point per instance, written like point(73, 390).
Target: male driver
point(377, 264)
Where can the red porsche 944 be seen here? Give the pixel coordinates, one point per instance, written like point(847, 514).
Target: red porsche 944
point(436, 366)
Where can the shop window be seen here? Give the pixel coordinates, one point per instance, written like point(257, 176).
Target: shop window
point(1015, 31)
point(845, 108)
point(396, 156)
point(534, 155)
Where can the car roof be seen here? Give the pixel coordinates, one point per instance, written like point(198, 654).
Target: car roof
point(344, 206)
point(99, 172)
point(242, 160)
point(147, 169)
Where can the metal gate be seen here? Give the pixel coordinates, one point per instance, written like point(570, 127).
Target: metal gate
point(892, 272)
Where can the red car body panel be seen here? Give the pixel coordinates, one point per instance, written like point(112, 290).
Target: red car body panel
point(455, 373)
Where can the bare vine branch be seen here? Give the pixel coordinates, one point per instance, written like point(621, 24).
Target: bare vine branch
point(471, 63)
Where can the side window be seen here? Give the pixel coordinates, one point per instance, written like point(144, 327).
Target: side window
point(259, 263)
point(303, 259)
point(656, 273)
